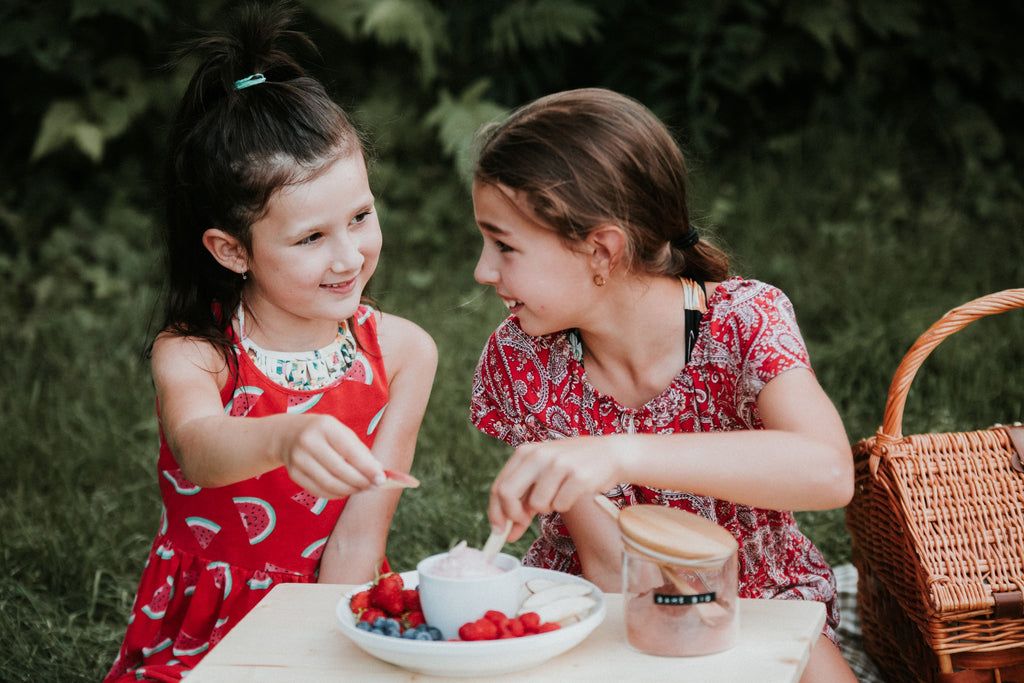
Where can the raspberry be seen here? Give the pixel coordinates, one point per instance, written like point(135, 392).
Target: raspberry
point(470, 631)
point(530, 621)
point(515, 627)
point(481, 629)
point(488, 629)
point(495, 616)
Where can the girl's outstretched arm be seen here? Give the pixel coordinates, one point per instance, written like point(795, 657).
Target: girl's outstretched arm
point(801, 460)
point(358, 542)
point(213, 449)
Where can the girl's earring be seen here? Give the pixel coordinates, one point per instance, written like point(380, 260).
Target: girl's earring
point(245, 275)
point(599, 280)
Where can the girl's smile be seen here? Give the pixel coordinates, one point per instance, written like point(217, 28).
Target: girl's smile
point(511, 304)
point(344, 287)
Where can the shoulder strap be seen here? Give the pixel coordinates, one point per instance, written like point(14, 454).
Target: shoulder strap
point(696, 305)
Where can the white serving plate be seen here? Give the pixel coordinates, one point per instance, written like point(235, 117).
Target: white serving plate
point(476, 658)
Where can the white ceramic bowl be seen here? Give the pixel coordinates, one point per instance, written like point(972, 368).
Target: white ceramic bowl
point(475, 659)
point(448, 603)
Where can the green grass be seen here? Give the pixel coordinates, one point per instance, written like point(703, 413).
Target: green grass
point(871, 249)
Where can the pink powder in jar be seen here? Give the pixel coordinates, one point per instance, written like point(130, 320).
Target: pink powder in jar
point(678, 630)
point(677, 610)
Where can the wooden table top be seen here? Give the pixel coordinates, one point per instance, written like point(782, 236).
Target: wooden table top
point(293, 635)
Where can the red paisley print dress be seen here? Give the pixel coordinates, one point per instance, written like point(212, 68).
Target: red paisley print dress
point(535, 388)
point(220, 550)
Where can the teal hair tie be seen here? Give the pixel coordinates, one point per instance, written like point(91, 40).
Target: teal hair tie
point(249, 81)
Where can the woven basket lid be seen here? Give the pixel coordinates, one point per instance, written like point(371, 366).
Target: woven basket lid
point(676, 533)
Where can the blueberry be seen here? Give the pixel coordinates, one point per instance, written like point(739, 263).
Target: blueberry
point(422, 635)
point(389, 627)
point(434, 632)
point(364, 626)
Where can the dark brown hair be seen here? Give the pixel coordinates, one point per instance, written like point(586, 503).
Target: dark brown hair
point(230, 149)
point(590, 157)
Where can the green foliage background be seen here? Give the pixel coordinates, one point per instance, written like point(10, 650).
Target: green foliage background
point(863, 155)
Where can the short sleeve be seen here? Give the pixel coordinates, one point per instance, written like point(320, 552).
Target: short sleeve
point(776, 345)
point(754, 324)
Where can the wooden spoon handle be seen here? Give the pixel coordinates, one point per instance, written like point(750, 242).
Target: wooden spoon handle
point(495, 541)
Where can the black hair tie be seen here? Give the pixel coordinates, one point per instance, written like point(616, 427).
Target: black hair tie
point(688, 240)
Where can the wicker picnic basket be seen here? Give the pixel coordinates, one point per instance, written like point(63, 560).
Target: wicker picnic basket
point(937, 524)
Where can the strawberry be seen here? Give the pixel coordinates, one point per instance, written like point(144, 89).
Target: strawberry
point(413, 619)
point(371, 614)
point(411, 600)
point(549, 626)
point(386, 594)
point(359, 601)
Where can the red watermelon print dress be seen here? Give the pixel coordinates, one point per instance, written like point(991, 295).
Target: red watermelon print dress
point(535, 388)
point(220, 550)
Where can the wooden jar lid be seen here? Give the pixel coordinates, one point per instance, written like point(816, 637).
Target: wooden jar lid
point(676, 533)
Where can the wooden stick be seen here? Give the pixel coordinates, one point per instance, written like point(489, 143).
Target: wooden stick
point(496, 541)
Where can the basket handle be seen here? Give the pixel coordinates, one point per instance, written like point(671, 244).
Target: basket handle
point(956, 319)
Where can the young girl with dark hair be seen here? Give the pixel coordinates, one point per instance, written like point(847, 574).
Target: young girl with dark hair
point(282, 396)
point(632, 363)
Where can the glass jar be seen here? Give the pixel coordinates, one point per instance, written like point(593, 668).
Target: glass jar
point(679, 582)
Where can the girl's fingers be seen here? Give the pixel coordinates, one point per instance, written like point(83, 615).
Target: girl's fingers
point(521, 490)
point(341, 475)
point(350, 461)
point(331, 462)
point(568, 494)
point(506, 502)
point(314, 478)
point(539, 475)
point(540, 496)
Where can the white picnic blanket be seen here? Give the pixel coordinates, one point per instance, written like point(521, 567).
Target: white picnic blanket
point(849, 627)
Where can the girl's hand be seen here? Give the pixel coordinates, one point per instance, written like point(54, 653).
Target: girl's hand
point(552, 476)
point(326, 458)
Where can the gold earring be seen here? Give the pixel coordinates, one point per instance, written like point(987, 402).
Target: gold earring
point(599, 280)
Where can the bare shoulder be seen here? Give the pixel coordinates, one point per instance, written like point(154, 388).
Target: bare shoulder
point(404, 343)
point(177, 358)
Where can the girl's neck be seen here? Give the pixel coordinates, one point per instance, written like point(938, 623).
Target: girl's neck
point(272, 333)
point(634, 347)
